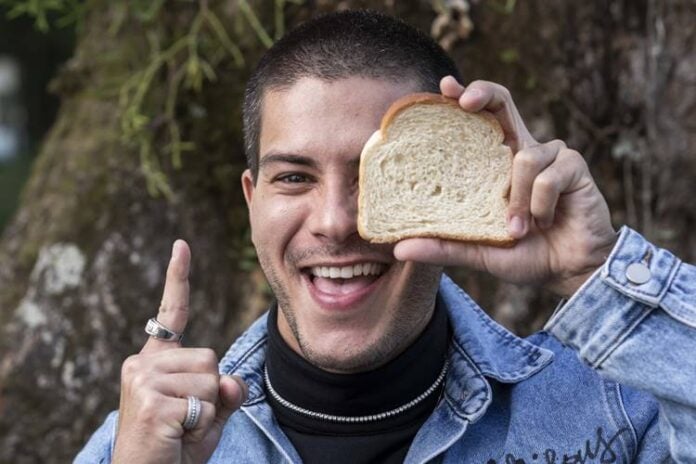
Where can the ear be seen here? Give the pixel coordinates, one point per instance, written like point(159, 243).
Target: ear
point(248, 187)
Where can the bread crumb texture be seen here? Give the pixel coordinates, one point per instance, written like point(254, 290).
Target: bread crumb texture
point(436, 171)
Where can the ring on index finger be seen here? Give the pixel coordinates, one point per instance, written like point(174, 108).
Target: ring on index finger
point(155, 329)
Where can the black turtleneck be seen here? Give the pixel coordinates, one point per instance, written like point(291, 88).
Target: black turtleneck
point(385, 388)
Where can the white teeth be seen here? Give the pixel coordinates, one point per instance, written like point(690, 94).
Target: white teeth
point(347, 272)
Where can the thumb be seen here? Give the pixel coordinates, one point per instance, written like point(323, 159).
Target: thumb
point(439, 252)
point(233, 392)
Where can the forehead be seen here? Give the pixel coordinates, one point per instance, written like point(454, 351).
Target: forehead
point(315, 117)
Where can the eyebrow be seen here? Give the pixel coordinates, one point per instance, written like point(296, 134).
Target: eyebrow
point(301, 160)
point(287, 158)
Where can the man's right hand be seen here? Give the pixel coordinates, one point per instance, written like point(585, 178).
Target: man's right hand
point(156, 382)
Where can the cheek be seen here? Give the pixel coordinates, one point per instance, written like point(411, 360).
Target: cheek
point(276, 222)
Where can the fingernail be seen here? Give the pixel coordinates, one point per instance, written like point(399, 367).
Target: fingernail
point(399, 257)
point(517, 226)
point(455, 81)
point(175, 249)
point(242, 386)
point(394, 252)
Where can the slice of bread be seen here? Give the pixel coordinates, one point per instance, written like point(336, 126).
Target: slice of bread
point(434, 170)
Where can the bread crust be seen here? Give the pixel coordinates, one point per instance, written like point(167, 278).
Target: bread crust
point(473, 240)
point(427, 98)
point(397, 107)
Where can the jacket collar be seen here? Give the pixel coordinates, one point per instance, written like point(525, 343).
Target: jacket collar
point(496, 352)
point(480, 347)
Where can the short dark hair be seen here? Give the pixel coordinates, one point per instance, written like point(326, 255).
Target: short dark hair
point(338, 45)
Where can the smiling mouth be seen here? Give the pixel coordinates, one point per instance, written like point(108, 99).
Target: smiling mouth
point(338, 281)
point(348, 272)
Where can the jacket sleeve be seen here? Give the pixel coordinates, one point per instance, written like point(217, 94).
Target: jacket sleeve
point(99, 448)
point(634, 321)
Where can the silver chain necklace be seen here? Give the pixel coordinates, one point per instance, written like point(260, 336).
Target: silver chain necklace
point(358, 419)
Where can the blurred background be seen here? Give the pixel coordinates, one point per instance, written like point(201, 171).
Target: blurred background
point(29, 59)
point(120, 131)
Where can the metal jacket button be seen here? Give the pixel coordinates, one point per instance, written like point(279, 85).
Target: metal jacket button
point(638, 273)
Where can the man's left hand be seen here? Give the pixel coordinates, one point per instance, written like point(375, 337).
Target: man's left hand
point(556, 211)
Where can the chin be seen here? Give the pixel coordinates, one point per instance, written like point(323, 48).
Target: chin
point(347, 354)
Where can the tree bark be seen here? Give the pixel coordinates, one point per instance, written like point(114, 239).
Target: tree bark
point(83, 262)
point(84, 259)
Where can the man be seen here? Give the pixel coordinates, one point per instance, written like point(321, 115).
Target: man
point(370, 354)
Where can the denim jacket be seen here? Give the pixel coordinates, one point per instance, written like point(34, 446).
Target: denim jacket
point(520, 401)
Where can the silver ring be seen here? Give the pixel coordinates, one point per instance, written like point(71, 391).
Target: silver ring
point(193, 413)
point(155, 329)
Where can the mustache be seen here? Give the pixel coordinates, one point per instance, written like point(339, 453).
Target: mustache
point(337, 251)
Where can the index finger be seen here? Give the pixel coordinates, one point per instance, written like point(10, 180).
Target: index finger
point(174, 309)
point(496, 99)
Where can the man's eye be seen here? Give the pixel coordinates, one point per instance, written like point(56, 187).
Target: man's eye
point(292, 178)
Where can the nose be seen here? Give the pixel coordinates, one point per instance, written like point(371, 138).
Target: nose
point(335, 213)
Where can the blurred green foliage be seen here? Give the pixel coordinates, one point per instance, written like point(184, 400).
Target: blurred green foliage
point(189, 55)
point(188, 58)
point(45, 13)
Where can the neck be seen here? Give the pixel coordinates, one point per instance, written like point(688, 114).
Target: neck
point(389, 386)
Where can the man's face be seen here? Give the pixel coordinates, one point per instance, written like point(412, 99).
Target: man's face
point(344, 304)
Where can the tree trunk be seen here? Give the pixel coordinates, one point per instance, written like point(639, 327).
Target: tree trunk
point(83, 262)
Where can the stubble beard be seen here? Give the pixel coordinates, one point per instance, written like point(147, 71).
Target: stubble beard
point(415, 310)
